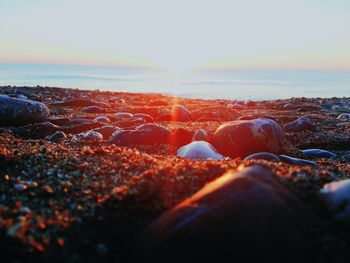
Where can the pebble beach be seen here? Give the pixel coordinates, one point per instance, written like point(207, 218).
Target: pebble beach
point(100, 176)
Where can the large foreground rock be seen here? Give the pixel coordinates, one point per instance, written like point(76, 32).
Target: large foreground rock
point(15, 111)
point(242, 216)
point(245, 137)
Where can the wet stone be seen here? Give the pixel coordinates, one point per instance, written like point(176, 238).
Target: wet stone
point(93, 109)
point(16, 111)
point(263, 156)
point(300, 124)
point(245, 137)
point(57, 136)
point(102, 119)
point(88, 136)
point(77, 121)
point(145, 134)
point(146, 117)
point(296, 161)
point(336, 196)
point(318, 153)
point(199, 150)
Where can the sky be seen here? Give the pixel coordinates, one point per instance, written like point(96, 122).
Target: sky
point(181, 34)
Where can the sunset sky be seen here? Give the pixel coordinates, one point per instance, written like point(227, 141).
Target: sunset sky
point(181, 34)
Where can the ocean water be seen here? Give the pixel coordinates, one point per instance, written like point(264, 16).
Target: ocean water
point(226, 84)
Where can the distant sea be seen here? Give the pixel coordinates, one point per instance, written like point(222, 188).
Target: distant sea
point(225, 84)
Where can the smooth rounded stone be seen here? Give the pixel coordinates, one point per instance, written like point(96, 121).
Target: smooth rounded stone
point(102, 119)
point(246, 213)
point(300, 124)
point(180, 113)
point(77, 121)
point(200, 135)
point(344, 116)
point(340, 108)
point(145, 117)
point(263, 156)
point(242, 138)
point(123, 115)
point(181, 137)
point(16, 111)
point(319, 153)
point(57, 136)
point(199, 150)
point(93, 109)
point(145, 134)
point(296, 161)
point(336, 196)
point(107, 131)
point(49, 124)
point(88, 136)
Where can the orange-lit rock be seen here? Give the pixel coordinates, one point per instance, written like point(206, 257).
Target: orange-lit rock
point(244, 137)
point(245, 214)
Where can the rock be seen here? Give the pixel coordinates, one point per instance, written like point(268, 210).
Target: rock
point(219, 112)
point(200, 135)
point(319, 153)
point(93, 109)
point(180, 113)
point(344, 116)
point(263, 156)
point(242, 138)
point(57, 136)
point(102, 119)
point(199, 150)
point(300, 124)
point(296, 161)
point(245, 214)
point(15, 111)
point(146, 117)
point(107, 131)
point(181, 137)
point(77, 121)
point(88, 136)
point(145, 134)
point(123, 116)
point(336, 196)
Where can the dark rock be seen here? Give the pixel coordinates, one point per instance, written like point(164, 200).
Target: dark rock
point(199, 150)
point(93, 109)
point(318, 153)
point(57, 136)
point(300, 124)
point(245, 214)
point(242, 138)
point(263, 156)
point(77, 121)
point(180, 113)
point(107, 131)
point(102, 119)
point(296, 161)
point(15, 112)
point(146, 134)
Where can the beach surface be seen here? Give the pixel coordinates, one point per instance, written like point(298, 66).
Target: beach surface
point(80, 197)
